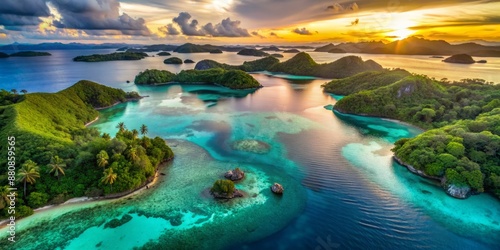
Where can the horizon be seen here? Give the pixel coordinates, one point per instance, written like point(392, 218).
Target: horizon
point(242, 22)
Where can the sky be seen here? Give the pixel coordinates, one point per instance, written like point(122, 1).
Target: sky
point(247, 21)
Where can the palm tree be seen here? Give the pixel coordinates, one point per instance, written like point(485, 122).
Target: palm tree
point(109, 177)
point(135, 133)
point(121, 126)
point(102, 159)
point(106, 136)
point(28, 173)
point(57, 166)
point(132, 154)
point(144, 130)
point(24, 91)
point(14, 91)
point(4, 200)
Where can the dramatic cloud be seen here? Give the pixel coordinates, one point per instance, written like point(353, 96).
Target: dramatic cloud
point(226, 28)
point(302, 31)
point(15, 13)
point(98, 17)
point(169, 29)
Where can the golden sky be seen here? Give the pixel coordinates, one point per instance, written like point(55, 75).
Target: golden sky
point(247, 21)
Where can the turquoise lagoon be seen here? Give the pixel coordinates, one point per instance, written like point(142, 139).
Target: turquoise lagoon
point(342, 189)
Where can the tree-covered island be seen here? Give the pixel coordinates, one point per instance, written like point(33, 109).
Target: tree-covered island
point(461, 147)
point(58, 158)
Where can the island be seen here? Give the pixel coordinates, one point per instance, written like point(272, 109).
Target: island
point(194, 48)
point(233, 79)
point(460, 148)
point(277, 55)
point(216, 51)
point(225, 189)
point(460, 58)
point(29, 54)
point(116, 56)
point(188, 61)
point(301, 64)
point(55, 148)
point(292, 51)
point(172, 60)
point(163, 53)
point(252, 52)
point(3, 55)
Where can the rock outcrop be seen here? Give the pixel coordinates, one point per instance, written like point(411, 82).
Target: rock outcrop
point(277, 188)
point(235, 175)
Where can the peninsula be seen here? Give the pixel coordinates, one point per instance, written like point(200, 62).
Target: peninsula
point(459, 150)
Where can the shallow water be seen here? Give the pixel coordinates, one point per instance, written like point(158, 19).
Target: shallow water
point(342, 190)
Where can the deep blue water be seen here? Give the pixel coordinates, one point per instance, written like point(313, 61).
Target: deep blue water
point(343, 191)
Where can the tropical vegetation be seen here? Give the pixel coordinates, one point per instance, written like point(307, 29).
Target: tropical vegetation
point(117, 56)
point(462, 147)
point(59, 158)
point(234, 79)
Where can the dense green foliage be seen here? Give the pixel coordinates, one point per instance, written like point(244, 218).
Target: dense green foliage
point(234, 79)
point(369, 80)
point(251, 66)
point(117, 56)
point(154, 76)
point(58, 158)
point(30, 54)
point(301, 64)
point(462, 150)
point(417, 99)
point(7, 98)
point(223, 187)
point(172, 60)
point(466, 153)
point(252, 52)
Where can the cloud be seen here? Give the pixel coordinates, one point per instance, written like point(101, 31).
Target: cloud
point(226, 28)
point(338, 8)
point(98, 17)
point(273, 34)
point(302, 31)
point(256, 33)
point(169, 29)
point(15, 13)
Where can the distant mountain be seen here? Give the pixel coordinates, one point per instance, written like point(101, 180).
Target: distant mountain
point(63, 46)
point(415, 46)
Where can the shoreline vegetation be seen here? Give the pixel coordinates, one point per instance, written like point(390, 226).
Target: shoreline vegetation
point(60, 158)
point(461, 144)
point(232, 79)
point(301, 64)
point(25, 54)
point(116, 56)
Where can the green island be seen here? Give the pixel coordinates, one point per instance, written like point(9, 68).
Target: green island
point(172, 60)
point(301, 64)
point(25, 54)
point(461, 149)
point(58, 158)
point(116, 56)
point(233, 79)
point(252, 52)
